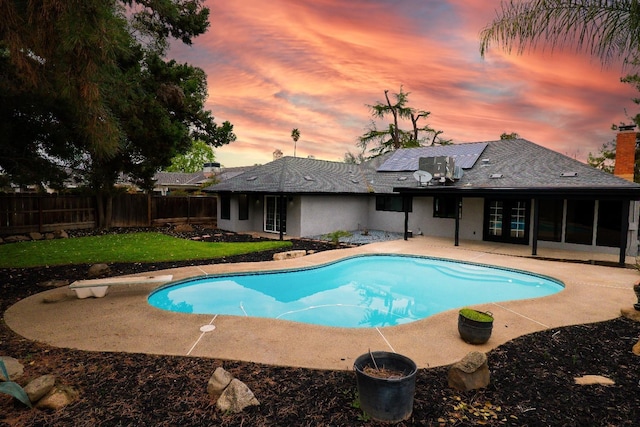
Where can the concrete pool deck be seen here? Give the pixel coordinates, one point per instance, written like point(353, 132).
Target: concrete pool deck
point(123, 321)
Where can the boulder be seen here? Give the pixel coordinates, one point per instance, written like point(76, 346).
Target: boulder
point(236, 397)
point(98, 270)
point(57, 398)
point(288, 255)
point(16, 238)
point(38, 388)
point(630, 313)
point(15, 369)
point(34, 235)
point(183, 228)
point(636, 348)
point(60, 234)
point(49, 236)
point(469, 373)
point(218, 382)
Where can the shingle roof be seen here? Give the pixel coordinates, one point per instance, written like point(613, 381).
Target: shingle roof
point(464, 155)
point(523, 164)
point(297, 175)
point(519, 163)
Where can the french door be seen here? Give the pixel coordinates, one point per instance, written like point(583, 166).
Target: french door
point(272, 212)
point(507, 221)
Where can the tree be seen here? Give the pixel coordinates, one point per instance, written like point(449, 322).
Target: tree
point(512, 135)
point(295, 135)
point(353, 159)
point(194, 159)
point(605, 29)
point(605, 159)
point(87, 88)
point(393, 137)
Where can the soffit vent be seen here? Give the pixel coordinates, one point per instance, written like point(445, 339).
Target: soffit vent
point(568, 174)
point(496, 176)
point(252, 178)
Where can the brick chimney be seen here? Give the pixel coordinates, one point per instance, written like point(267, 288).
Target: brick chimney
point(625, 152)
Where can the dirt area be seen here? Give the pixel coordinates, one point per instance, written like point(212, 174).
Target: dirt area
point(532, 377)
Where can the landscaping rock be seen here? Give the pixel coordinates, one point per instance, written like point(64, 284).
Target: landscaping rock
point(15, 369)
point(38, 388)
point(34, 235)
point(470, 373)
point(236, 397)
point(594, 380)
point(98, 270)
point(289, 255)
point(60, 234)
point(630, 313)
point(57, 398)
point(636, 348)
point(218, 382)
point(183, 228)
point(49, 236)
point(16, 238)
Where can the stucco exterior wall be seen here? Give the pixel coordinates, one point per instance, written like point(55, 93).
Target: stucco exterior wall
point(325, 214)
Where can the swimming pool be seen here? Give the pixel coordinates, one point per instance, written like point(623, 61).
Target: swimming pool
point(357, 292)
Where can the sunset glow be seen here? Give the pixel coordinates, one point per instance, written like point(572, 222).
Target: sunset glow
point(316, 65)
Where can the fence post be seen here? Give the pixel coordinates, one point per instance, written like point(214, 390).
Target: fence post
point(39, 213)
point(149, 209)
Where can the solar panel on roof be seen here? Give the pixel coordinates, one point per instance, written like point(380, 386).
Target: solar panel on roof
point(464, 155)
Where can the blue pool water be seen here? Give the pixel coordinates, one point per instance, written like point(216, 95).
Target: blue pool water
point(362, 291)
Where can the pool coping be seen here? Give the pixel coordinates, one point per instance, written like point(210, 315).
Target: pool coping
point(124, 321)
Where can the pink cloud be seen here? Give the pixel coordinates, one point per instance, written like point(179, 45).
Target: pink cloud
point(315, 65)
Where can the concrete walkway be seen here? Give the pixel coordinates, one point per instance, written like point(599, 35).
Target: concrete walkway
point(124, 321)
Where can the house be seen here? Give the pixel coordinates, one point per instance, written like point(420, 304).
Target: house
point(189, 182)
point(511, 191)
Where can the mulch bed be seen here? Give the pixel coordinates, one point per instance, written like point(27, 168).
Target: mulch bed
point(532, 377)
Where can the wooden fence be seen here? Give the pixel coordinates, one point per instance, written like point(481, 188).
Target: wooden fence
point(24, 213)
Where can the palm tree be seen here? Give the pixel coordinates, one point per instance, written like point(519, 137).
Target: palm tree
point(295, 135)
point(606, 29)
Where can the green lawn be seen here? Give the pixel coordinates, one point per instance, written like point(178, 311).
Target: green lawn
point(134, 247)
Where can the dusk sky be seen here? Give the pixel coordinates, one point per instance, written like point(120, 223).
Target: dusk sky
point(315, 65)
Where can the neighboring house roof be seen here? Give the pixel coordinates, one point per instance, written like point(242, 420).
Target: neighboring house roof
point(179, 178)
point(515, 165)
point(195, 179)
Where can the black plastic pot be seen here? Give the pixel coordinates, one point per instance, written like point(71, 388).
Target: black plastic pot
point(474, 332)
point(386, 399)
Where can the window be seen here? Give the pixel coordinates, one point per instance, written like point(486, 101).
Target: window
point(225, 207)
point(444, 207)
point(495, 218)
point(609, 223)
point(243, 207)
point(550, 220)
point(580, 221)
point(392, 203)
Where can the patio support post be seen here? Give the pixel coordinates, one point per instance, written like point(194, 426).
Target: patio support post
point(458, 211)
point(281, 207)
point(405, 208)
point(536, 223)
point(624, 230)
